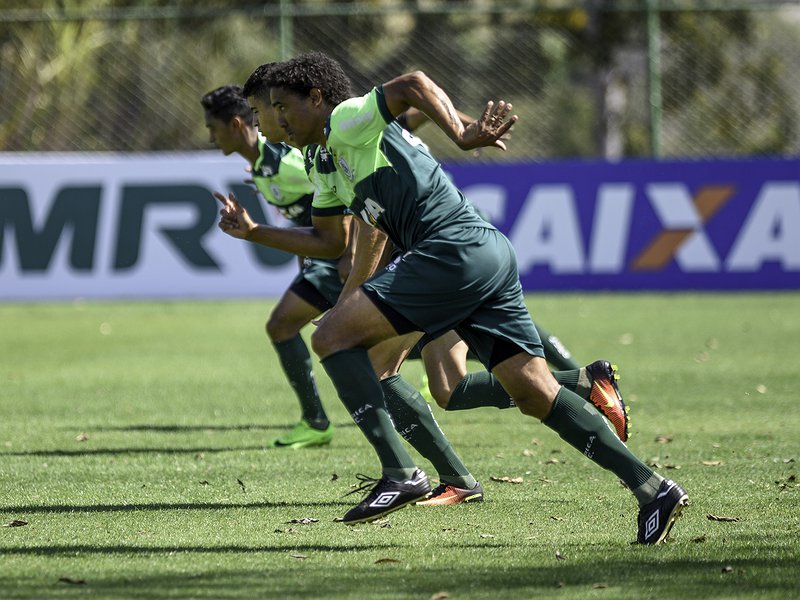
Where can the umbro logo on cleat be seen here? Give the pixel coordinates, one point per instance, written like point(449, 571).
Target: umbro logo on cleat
point(385, 499)
point(651, 525)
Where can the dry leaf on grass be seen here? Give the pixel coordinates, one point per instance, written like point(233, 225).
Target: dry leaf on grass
point(440, 596)
point(15, 523)
point(727, 569)
point(663, 439)
point(82, 437)
point(560, 556)
point(304, 521)
point(722, 519)
point(507, 479)
point(298, 556)
point(383, 561)
point(713, 463)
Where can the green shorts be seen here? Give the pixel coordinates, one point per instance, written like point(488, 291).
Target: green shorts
point(318, 283)
point(465, 280)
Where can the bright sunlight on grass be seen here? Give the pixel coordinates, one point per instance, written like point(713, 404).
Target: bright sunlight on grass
point(134, 463)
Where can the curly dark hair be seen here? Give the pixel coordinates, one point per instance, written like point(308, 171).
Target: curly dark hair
point(256, 85)
point(312, 70)
point(227, 102)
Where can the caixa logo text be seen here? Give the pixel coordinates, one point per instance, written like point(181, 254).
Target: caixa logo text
point(650, 234)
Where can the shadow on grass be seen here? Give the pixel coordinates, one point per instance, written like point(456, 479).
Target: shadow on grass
point(143, 427)
point(68, 508)
point(117, 451)
point(73, 549)
point(639, 575)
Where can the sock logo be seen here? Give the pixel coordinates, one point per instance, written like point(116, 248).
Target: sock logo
point(588, 449)
point(384, 499)
point(359, 412)
point(408, 431)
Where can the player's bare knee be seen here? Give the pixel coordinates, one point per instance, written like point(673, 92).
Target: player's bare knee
point(326, 340)
point(280, 329)
point(536, 407)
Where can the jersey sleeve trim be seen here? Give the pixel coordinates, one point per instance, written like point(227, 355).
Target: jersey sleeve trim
point(380, 98)
point(330, 211)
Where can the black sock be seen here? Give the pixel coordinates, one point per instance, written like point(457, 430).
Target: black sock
point(479, 389)
point(583, 427)
point(414, 421)
point(361, 393)
point(296, 362)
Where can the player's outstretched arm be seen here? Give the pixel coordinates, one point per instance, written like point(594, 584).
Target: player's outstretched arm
point(419, 91)
point(326, 238)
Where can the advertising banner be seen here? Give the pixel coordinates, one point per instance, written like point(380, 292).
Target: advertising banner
point(646, 225)
point(145, 226)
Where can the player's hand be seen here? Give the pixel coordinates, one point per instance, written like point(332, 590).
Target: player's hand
point(234, 219)
point(490, 129)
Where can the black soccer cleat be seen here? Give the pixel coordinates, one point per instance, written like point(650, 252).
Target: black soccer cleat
point(657, 518)
point(386, 496)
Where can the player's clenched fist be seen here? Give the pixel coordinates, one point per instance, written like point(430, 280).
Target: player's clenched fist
point(234, 219)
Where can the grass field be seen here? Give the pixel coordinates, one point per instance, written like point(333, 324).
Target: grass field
point(134, 445)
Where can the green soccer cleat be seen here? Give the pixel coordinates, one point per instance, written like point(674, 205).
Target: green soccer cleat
point(424, 390)
point(303, 435)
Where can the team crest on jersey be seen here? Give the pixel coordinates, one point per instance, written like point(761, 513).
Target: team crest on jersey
point(276, 191)
point(348, 172)
point(266, 171)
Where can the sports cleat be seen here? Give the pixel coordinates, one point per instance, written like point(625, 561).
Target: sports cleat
point(386, 496)
point(444, 494)
point(606, 397)
point(424, 390)
point(657, 518)
point(303, 435)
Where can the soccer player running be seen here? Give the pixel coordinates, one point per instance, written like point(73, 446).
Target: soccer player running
point(457, 272)
point(278, 172)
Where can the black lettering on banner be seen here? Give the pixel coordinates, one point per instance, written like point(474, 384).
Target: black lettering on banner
point(188, 241)
point(74, 209)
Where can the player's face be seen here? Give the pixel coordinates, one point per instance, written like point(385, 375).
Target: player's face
point(221, 134)
point(300, 116)
point(265, 120)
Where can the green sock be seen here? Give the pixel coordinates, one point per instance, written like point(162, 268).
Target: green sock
point(575, 380)
point(482, 389)
point(555, 353)
point(583, 427)
point(479, 389)
point(361, 393)
point(414, 421)
point(296, 362)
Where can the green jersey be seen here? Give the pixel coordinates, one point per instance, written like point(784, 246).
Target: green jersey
point(279, 174)
point(385, 176)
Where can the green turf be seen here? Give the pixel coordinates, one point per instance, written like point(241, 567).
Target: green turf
point(134, 443)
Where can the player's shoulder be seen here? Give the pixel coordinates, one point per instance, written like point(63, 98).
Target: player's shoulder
point(358, 116)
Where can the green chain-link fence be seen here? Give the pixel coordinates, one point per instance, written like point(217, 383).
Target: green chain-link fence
point(589, 79)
